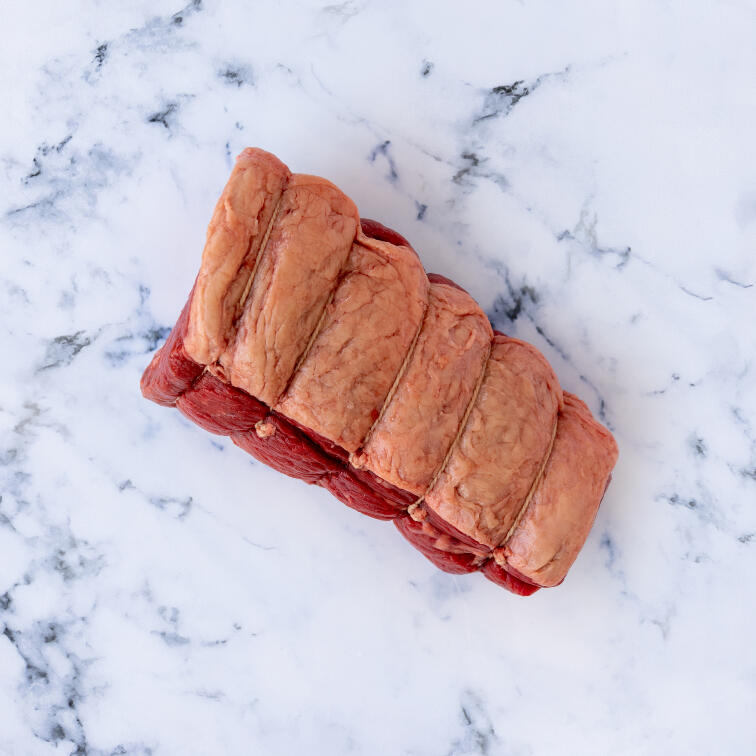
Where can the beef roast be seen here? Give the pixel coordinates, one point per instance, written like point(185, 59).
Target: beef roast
point(408, 443)
point(366, 332)
point(315, 341)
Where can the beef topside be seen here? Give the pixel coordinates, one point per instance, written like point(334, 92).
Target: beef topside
point(316, 342)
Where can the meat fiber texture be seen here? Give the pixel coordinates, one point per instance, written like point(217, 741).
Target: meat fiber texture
point(315, 340)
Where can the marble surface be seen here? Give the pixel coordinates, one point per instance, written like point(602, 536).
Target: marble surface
point(587, 170)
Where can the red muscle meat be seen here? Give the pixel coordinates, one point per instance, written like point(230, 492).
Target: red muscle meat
point(314, 340)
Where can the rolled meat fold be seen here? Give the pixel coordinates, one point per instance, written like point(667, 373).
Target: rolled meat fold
point(236, 232)
point(367, 330)
point(307, 245)
point(316, 342)
point(561, 511)
point(503, 445)
point(407, 445)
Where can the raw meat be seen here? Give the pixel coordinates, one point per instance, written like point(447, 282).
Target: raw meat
point(408, 444)
point(367, 330)
point(559, 516)
point(236, 232)
point(484, 485)
point(296, 271)
point(315, 341)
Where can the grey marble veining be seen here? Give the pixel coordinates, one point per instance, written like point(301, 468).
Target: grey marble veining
point(587, 171)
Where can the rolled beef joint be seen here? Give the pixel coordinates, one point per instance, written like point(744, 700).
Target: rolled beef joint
point(316, 342)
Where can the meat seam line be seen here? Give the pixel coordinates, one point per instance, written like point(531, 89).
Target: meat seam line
point(413, 508)
point(318, 326)
point(354, 458)
point(250, 281)
point(533, 487)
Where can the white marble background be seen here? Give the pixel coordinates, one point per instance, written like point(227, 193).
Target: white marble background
point(586, 169)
